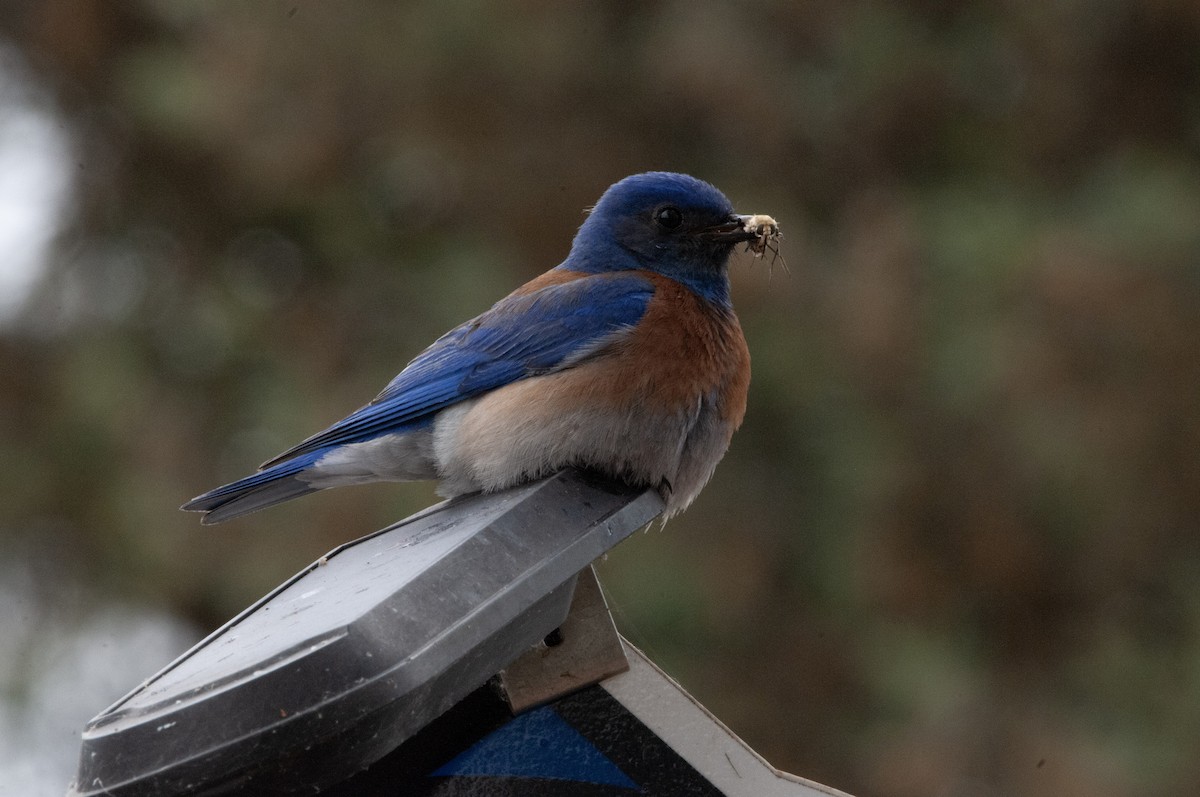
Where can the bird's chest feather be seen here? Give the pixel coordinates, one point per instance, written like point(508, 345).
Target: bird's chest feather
point(682, 374)
point(684, 351)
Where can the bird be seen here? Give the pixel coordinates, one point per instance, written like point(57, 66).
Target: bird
point(626, 359)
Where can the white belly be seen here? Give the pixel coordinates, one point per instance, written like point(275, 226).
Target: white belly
point(527, 429)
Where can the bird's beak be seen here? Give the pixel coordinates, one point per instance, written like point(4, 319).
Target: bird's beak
point(733, 230)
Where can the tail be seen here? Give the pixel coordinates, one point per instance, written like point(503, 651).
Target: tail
point(274, 485)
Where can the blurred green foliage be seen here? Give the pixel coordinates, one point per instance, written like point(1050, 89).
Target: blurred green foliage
point(954, 548)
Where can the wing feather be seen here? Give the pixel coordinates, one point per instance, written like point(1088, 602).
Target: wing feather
point(524, 334)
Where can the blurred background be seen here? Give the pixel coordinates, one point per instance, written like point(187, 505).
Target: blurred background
point(952, 551)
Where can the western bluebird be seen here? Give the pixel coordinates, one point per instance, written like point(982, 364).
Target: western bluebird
point(626, 359)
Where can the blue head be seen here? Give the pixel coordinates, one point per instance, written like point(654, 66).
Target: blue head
point(676, 225)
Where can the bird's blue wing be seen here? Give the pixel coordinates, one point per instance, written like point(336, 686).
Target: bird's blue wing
point(522, 335)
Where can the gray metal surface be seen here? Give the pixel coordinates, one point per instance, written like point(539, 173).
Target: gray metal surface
point(355, 654)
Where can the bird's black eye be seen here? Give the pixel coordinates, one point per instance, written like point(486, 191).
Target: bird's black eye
point(668, 217)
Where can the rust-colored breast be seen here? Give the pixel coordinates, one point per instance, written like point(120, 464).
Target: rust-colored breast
point(684, 349)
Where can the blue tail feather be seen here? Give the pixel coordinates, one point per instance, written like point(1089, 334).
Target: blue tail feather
point(268, 487)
